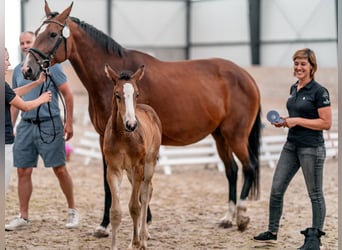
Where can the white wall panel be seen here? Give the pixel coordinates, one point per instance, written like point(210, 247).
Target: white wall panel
point(237, 54)
point(284, 23)
point(147, 23)
point(219, 21)
point(281, 55)
point(293, 19)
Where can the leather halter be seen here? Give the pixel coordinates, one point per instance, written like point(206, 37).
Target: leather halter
point(45, 63)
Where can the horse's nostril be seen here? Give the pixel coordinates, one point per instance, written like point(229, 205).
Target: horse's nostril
point(131, 127)
point(28, 73)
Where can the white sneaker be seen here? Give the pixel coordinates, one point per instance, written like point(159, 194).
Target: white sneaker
point(16, 224)
point(73, 220)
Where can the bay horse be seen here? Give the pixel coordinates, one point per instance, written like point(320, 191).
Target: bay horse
point(131, 143)
point(193, 98)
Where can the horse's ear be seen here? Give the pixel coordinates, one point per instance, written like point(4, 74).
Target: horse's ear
point(47, 9)
point(110, 73)
point(65, 14)
point(139, 73)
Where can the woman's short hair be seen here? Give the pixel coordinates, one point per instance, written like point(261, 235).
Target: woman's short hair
point(308, 54)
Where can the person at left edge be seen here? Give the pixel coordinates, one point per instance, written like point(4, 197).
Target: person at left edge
point(13, 98)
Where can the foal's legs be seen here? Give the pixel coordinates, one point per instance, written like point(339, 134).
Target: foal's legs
point(146, 194)
point(136, 179)
point(99, 232)
point(114, 178)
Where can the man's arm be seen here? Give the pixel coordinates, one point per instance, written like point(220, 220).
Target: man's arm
point(69, 103)
point(14, 114)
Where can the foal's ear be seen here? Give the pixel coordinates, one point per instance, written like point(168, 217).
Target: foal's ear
point(110, 73)
point(139, 73)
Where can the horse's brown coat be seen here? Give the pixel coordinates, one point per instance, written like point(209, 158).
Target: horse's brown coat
point(192, 98)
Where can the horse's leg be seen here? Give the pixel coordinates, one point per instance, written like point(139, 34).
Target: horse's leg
point(242, 134)
point(248, 153)
point(231, 170)
point(114, 180)
point(134, 206)
point(242, 219)
point(149, 215)
point(249, 188)
point(101, 231)
point(250, 170)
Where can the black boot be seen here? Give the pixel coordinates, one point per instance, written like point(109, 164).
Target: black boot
point(312, 238)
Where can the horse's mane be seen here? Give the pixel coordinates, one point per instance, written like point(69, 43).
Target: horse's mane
point(104, 40)
point(125, 75)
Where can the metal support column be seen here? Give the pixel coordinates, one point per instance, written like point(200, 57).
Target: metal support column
point(187, 29)
point(109, 17)
point(254, 27)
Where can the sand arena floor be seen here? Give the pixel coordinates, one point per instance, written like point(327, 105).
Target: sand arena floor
point(186, 205)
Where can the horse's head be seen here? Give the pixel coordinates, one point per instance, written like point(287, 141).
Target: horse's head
point(125, 94)
point(52, 44)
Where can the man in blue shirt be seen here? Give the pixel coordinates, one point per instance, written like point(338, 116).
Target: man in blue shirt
point(41, 132)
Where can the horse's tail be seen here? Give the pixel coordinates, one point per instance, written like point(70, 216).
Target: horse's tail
point(254, 148)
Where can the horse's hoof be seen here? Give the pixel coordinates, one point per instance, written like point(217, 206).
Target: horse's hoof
point(101, 232)
point(243, 223)
point(226, 224)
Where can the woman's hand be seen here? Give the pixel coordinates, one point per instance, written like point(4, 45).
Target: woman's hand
point(46, 96)
point(281, 124)
point(42, 77)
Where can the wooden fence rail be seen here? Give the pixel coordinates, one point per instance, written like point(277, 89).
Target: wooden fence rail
point(203, 152)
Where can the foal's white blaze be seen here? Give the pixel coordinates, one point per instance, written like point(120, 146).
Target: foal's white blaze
point(128, 94)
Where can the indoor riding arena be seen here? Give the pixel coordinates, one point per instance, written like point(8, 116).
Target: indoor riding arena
point(190, 195)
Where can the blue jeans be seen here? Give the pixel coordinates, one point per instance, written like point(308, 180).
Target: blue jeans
point(291, 159)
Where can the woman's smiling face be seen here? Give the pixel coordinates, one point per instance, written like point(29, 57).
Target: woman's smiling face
point(302, 68)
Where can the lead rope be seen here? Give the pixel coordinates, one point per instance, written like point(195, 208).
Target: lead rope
point(41, 132)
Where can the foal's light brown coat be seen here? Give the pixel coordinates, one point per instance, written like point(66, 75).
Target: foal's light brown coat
point(131, 145)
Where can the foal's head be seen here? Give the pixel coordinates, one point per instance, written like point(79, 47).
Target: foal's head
point(125, 94)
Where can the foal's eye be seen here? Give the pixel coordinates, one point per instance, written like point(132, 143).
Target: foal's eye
point(53, 34)
point(117, 96)
point(137, 95)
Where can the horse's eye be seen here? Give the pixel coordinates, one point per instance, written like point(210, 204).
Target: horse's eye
point(137, 95)
point(117, 96)
point(53, 34)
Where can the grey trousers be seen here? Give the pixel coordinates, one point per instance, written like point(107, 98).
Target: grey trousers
point(311, 160)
